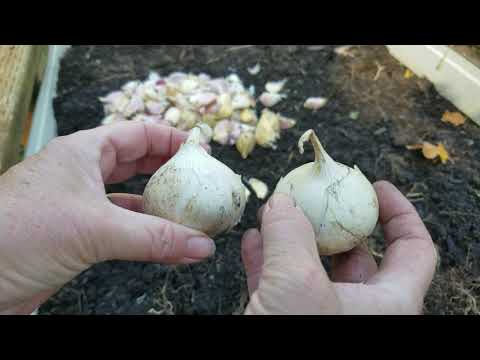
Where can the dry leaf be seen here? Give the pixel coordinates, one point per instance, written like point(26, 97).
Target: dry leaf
point(442, 153)
point(431, 152)
point(415, 147)
point(408, 74)
point(454, 118)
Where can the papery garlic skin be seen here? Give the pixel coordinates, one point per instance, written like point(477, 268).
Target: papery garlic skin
point(196, 190)
point(339, 201)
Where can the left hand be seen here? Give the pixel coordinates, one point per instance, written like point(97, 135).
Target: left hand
point(56, 219)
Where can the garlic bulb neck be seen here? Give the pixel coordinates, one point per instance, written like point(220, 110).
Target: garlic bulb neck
point(200, 134)
point(321, 155)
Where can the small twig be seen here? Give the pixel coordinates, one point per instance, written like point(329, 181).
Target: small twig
point(458, 213)
point(374, 253)
point(235, 48)
point(380, 69)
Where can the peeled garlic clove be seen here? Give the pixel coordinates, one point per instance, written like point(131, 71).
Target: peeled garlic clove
point(130, 88)
point(315, 103)
point(188, 120)
point(155, 107)
point(339, 201)
point(248, 116)
point(247, 194)
point(221, 133)
point(268, 129)
point(135, 105)
point(173, 116)
point(202, 99)
point(255, 70)
point(286, 123)
point(153, 77)
point(225, 106)
point(235, 133)
point(171, 92)
point(176, 78)
point(210, 119)
point(219, 86)
point(242, 100)
point(260, 188)
point(189, 84)
point(246, 144)
point(227, 132)
point(204, 78)
point(196, 190)
point(233, 79)
point(181, 102)
point(235, 85)
point(115, 102)
point(150, 93)
point(275, 87)
point(270, 99)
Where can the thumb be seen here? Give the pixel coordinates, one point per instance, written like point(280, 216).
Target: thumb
point(288, 237)
point(292, 280)
point(131, 236)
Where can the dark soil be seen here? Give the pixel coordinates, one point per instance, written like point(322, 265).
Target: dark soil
point(394, 112)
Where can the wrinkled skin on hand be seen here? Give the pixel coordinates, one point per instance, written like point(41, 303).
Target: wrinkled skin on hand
point(56, 219)
point(286, 276)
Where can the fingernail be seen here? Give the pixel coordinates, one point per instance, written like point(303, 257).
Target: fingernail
point(281, 200)
point(200, 248)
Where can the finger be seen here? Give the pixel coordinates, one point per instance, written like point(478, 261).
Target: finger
point(252, 258)
point(29, 306)
point(127, 201)
point(260, 214)
point(288, 237)
point(410, 259)
point(138, 146)
point(129, 236)
point(355, 266)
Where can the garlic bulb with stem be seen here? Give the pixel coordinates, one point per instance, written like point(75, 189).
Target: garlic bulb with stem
point(196, 190)
point(339, 201)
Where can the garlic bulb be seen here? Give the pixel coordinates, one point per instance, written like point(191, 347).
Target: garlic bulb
point(315, 103)
point(339, 201)
point(196, 190)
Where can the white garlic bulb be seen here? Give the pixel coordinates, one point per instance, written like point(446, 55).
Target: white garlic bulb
point(196, 190)
point(339, 201)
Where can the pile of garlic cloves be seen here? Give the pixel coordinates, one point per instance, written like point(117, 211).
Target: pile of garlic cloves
point(184, 100)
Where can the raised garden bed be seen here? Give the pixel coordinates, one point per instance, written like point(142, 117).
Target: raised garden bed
point(393, 112)
point(21, 69)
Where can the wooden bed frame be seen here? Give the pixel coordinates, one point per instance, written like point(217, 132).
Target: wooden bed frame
point(21, 68)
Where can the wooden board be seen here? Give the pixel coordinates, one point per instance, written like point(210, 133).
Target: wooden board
point(20, 67)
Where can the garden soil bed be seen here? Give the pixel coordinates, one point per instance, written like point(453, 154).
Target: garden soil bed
point(393, 112)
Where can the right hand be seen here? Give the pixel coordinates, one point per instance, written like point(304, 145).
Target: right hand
point(285, 274)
